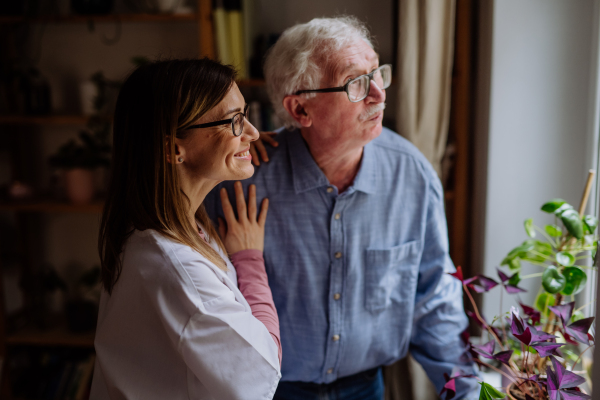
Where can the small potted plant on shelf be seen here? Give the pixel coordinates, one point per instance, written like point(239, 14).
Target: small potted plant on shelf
point(539, 351)
point(78, 159)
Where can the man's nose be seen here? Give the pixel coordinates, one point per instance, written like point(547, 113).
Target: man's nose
point(376, 95)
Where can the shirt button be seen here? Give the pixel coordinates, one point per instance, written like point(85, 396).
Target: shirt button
point(337, 216)
point(337, 296)
point(330, 370)
point(329, 189)
point(336, 338)
point(338, 255)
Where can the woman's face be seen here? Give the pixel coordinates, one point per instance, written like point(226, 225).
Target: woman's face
point(215, 153)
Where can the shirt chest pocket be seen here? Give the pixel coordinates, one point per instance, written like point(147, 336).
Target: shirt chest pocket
point(391, 275)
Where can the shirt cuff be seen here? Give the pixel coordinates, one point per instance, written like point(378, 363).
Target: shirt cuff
point(249, 254)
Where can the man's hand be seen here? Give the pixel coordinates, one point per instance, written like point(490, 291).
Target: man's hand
point(247, 232)
point(258, 146)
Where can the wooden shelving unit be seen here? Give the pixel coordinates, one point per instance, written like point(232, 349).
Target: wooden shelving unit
point(61, 336)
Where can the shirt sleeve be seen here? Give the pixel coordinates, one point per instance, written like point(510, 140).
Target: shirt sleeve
point(254, 285)
point(439, 317)
point(223, 345)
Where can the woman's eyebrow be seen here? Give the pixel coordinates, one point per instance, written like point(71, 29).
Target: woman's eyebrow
point(233, 110)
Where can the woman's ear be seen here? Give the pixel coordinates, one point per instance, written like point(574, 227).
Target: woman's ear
point(178, 152)
point(294, 105)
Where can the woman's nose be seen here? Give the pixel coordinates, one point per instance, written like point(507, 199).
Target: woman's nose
point(250, 133)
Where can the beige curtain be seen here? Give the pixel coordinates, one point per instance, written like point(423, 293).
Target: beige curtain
point(424, 75)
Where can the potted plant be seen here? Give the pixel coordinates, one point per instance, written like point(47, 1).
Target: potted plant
point(78, 158)
point(538, 351)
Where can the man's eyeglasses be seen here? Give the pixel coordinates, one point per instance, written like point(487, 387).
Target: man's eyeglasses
point(237, 122)
point(359, 87)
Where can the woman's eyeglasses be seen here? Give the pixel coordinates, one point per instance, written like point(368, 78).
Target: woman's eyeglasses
point(359, 87)
point(237, 122)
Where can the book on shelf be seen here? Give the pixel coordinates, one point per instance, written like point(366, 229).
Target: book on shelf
point(230, 35)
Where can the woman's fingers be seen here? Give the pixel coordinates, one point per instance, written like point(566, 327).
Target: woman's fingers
point(262, 218)
point(222, 229)
point(254, 154)
point(268, 137)
point(227, 209)
point(240, 201)
point(252, 203)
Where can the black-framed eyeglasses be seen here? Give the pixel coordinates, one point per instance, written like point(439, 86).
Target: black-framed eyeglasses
point(359, 87)
point(237, 122)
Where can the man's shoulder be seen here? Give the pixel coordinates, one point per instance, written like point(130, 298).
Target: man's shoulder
point(400, 149)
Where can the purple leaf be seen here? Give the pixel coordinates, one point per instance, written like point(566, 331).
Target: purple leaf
point(565, 379)
point(546, 349)
point(573, 395)
point(470, 280)
point(531, 313)
point(458, 274)
point(449, 387)
point(539, 335)
point(503, 356)
point(525, 337)
point(579, 330)
point(487, 283)
point(564, 312)
point(516, 325)
point(487, 350)
point(512, 289)
point(552, 380)
point(503, 277)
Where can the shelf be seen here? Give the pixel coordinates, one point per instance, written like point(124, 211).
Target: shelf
point(43, 120)
point(53, 207)
point(251, 83)
point(101, 18)
point(53, 337)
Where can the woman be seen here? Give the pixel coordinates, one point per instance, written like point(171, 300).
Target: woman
point(172, 322)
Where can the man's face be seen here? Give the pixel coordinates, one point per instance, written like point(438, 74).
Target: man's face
point(333, 115)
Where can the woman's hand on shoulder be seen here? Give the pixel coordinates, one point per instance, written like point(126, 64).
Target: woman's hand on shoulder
point(248, 230)
point(258, 146)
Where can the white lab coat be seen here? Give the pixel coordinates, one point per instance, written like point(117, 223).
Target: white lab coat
point(177, 327)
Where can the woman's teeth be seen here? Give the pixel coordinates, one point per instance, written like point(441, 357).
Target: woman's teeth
point(244, 154)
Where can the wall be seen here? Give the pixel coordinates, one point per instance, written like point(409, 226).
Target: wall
point(533, 131)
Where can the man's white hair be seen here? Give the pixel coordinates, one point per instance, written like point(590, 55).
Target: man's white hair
point(302, 55)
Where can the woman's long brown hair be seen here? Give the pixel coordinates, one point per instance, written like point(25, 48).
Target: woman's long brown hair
point(156, 103)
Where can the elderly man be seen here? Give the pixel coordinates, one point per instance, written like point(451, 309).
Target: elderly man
point(356, 245)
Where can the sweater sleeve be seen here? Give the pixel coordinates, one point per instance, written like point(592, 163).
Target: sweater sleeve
point(253, 283)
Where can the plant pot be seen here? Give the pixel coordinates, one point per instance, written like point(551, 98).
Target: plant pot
point(514, 393)
point(79, 184)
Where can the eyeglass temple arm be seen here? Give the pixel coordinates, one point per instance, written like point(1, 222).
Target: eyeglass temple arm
point(210, 124)
point(336, 89)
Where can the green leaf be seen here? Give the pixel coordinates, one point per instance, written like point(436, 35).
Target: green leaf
point(514, 280)
point(552, 280)
point(576, 280)
point(553, 205)
point(594, 251)
point(573, 223)
point(488, 392)
point(562, 209)
point(577, 315)
point(542, 301)
point(529, 228)
point(590, 223)
point(514, 264)
point(565, 258)
point(553, 230)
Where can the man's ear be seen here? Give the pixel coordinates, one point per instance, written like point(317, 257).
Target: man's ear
point(294, 105)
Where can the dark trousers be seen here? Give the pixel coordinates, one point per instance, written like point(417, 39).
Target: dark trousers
point(366, 385)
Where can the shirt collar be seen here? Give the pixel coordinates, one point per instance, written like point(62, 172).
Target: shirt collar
point(307, 175)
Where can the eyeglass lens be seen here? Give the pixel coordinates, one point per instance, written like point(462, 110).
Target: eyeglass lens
point(237, 123)
point(359, 88)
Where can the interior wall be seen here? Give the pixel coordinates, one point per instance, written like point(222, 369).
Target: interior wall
point(540, 88)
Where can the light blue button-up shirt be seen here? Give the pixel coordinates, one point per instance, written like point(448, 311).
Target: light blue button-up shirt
point(360, 277)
